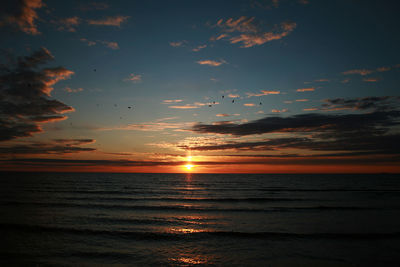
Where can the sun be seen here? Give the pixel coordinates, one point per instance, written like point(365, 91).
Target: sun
point(189, 167)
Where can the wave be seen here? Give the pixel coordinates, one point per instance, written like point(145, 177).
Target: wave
point(40, 229)
point(183, 207)
point(177, 199)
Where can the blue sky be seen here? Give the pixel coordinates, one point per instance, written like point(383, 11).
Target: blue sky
point(146, 72)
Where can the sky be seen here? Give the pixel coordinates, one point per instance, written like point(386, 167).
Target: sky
point(257, 86)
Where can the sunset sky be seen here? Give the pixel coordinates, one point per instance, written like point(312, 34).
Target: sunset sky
point(279, 86)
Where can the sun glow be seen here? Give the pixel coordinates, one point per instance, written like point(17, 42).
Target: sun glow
point(189, 167)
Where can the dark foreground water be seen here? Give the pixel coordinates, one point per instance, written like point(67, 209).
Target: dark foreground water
point(70, 219)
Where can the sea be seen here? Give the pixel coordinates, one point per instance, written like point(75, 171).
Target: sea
point(131, 219)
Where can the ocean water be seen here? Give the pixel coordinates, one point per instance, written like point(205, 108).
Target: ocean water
point(92, 219)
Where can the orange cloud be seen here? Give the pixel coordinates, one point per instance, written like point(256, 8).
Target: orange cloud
point(169, 101)
point(176, 44)
point(68, 24)
point(306, 89)
point(361, 72)
point(110, 21)
point(301, 100)
point(263, 92)
point(279, 111)
point(250, 35)
point(249, 104)
point(197, 49)
point(187, 106)
point(371, 80)
point(211, 62)
point(70, 90)
point(135, 78)
point(23, 16)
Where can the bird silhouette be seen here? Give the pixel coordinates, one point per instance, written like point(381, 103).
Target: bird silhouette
point(222, 96)
point(233, 100)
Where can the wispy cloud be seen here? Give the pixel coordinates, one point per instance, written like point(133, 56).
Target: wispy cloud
point(249, 34)
point(88, 42)
point(170, 101)
point(70, 90)
point(362, 72)
point(187, 106)
point(213, 63)
point(109, 21)
point(67, 24)
point(371, 80)
point(263, 92)
point(310, 89)
point(302, 100)
point(249, 104)
point(176, 44)
point(198, 48)
point(226, 115)
point(135, 78)
point(112, 45)
point(279, 111)
point(22, 15)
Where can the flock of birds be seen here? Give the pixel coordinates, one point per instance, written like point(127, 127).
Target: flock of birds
point(130, 107)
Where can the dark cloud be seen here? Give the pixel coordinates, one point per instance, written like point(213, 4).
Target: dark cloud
point(20, 14)
point(312, 122)
point(372, 103)
point(336, 135)
point(25, 95)
point(58, 146)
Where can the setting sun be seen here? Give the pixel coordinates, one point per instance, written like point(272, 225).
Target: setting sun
point(189, 167)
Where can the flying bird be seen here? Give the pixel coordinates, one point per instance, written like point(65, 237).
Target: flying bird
point(222, 96)
point(233, 100)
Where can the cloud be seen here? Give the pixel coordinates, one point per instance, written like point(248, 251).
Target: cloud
point(306, 89)
point(369, 123)
point(58, 146)
point(67, 24)
point(365, 103)
point(211, 62)
point(371, 80)
point(158, 125)
point(112, 45)
point(364, 72)
point(25, 95)
point(187, 106)
point(233, 95)
point(345, 81)
point(21, 15)
point(110, 21)
point(249, 104)
point(301, 100)
point(70, 90)
point(169, 101)
point(263, 92)
point(177, 44)
point(135, 78)
point(88, 42)
point(249, 33)
point(227, 115)
point(279, 111)
point(198, 48)
point(361, 72)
